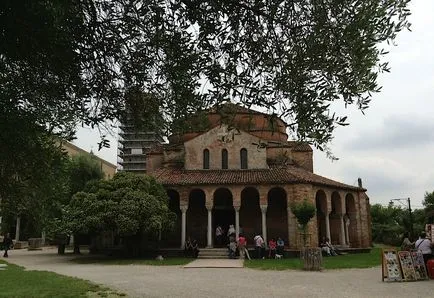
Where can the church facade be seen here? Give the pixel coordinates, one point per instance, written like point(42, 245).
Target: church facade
point(245, 172)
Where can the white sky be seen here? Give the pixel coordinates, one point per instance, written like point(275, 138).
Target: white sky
point(390, 147)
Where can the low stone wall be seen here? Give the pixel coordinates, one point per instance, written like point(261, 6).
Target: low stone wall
point(20, 244)
point(35, 243)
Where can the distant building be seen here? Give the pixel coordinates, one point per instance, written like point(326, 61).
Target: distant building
point(107, 168)
point(245, 172)
point(133, 146)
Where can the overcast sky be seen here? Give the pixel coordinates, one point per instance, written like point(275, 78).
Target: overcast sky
point(391, 147)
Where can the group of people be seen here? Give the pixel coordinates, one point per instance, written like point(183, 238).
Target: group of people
point(327, 248)
point(240, 245)
point(423, 244)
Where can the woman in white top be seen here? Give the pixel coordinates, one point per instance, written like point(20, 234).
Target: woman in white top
point(424, 245)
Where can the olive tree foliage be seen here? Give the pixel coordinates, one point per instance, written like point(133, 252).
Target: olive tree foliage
point(128, 204)
point(63, 62)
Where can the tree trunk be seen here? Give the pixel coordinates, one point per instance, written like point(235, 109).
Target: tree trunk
point(76, 245)
point(61, 249)
point(312, 258)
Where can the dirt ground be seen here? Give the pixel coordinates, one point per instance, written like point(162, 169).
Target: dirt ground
point(176, 281)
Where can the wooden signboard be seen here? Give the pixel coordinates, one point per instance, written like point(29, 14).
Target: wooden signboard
point(419, 265)
point(407, 267)
point(391, 266)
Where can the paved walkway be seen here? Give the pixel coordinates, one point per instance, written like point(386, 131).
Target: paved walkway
point(215, 263)
point(175, 281)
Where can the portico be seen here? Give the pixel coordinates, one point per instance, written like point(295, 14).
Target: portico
point(201, 209)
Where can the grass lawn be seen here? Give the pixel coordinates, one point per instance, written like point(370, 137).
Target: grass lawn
point(361, 260)
point(135, 261)
point(17, 282)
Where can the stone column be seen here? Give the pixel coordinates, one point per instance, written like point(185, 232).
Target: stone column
point(43, 238)
point(347, 235)
point(327, 222)
point(17, 229)
point(264, 223)
point(209, 231)
point(237, 221)
point(183, 224)
point(342, 236)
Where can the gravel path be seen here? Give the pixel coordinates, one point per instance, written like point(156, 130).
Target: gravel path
point(175, 281)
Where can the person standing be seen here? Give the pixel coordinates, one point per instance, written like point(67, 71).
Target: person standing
point(259, 246)
point(7, 244)
point(188, 249)
point(272, 248)
point(232, 246)
point(406, 243)
point(219, 235)
point(242, 247)
point(195, 248)
point(231, 230)
point(424, 245)
point(280, 246)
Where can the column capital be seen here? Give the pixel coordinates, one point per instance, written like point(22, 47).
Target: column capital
point(237, 208)
point(264, 208)
point(208, 207)
point(183, 208)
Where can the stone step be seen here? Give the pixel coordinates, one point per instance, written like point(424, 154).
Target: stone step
point(214, 249)
point(213, 253)
point(212, 257)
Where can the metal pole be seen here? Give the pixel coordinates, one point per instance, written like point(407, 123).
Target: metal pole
point(411, 218)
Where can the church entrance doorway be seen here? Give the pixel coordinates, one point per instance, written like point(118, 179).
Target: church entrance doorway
point(223, 215)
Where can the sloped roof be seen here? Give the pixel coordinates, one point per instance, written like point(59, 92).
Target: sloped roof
point(277, 175)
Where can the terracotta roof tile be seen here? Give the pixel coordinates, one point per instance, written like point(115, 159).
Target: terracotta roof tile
point(279, 175)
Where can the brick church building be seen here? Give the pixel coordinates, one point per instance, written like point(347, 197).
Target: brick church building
point(236, 166)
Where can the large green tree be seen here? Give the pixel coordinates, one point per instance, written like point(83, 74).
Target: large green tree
point(30, 178)
point(84, 61)
point(135, 207)
point(389, 223)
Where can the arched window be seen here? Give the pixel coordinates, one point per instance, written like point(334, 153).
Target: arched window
point(224, 159)
point(243, 158)
point(206, 159)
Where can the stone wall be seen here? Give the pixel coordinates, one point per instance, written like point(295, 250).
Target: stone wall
point(212, 140)
point(303, 159)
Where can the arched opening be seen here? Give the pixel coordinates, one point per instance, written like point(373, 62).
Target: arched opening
point(250, 213)
point(225, 159)
point(206, 159)
point(197, 217)
point(243, 158)
point(351, 216)
point(223, 211)
point(173, 238)
point(321, 213)
point(335, 219)
point(277, 214)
